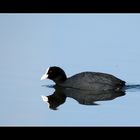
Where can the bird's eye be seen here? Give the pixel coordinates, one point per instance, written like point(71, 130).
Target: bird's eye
point(50, 71)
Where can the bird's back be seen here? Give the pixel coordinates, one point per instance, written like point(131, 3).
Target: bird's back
point(93, 81)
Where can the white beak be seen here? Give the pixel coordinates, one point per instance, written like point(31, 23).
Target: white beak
point(45, 76)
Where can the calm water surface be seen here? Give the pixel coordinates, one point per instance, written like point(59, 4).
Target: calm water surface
point(76, 42)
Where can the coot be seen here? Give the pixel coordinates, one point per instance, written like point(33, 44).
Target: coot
point(84, 80)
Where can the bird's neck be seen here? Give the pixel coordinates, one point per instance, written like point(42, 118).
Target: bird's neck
point(60, 79)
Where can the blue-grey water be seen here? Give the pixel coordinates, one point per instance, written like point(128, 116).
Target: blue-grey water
point(29, 43)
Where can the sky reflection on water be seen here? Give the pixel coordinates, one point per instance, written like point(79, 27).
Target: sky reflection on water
point(76, 42)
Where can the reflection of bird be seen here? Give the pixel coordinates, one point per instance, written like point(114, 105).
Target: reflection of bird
point(86, 97)
point(89, 97)
point(84, 80)
point(54, 100)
